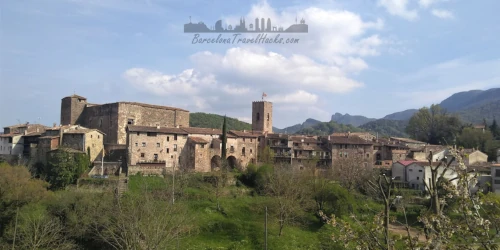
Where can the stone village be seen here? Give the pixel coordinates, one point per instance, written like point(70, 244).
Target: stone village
point(126, 138)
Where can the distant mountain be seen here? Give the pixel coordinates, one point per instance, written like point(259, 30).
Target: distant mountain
point(355, 120)
point(475, 115)
point(204, 120)
point(402, 115)
point(470, 99)
point(326, 128)
point(385, 127)
point(293, 129)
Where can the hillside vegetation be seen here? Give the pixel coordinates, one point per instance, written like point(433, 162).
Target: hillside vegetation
point(326, 128)
point(204, 120)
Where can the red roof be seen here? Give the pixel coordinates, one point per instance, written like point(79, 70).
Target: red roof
point(406, 163)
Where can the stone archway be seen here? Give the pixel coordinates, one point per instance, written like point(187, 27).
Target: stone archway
point(215, 163)
point(232, 162)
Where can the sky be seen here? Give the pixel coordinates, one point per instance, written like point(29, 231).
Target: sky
point(362, 57)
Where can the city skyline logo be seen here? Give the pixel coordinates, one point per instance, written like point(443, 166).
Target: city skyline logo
point(259, 26)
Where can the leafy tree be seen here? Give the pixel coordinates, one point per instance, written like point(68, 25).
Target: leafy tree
point(433, 125)
point(64, 168)
point(476, 138)
point(17, 189)
point(495, 130)
point(266, 155)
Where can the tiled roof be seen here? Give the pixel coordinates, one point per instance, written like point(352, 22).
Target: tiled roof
point(9, 135)
point(81, 131)
point(278, 135)
point(202, 131)
point(406, 162)
point(153, 106)
point(305, 138)
point(163, 130)
point(244, 133)
point(349, 140)
point(407, 140)
point(197, 140)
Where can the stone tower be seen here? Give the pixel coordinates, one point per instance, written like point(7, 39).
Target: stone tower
point(262, 116)
point(72, 108)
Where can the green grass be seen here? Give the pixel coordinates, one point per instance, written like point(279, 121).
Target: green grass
point(241, 226)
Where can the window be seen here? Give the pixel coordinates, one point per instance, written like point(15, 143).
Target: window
point(341, 154)
point(420, 170)
point(90, 136)
point(158, 145)
point(367, 155)
point(243, 139)
point(138, 133)
point(418, 178)
point(231, 149)
point(258, 116)
point(267, 116)
point(243, 151)
point(411, 170)
point(345, 155)
point(98, 136)
point(168, 150)
point(130, 121)
point(156, 157)
point(153, 134)
point(144, 144)
point(175, 137)
point(250, 151)
point(251, 140)
point(497, 173)
point(168, 138)
point(136, 144)
point(175, 147)
point(142, 155)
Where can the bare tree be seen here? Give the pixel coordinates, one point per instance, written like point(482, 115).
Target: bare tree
point(285, 186)
point(350, 172)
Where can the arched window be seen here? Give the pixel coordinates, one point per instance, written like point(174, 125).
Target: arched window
point(258, 116)
point(268, 116)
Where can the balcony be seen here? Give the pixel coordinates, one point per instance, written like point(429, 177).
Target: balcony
point(281, 155)
point(278, 145)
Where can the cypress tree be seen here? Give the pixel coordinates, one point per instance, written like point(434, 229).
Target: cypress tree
point(224, 139)
point(495, 131)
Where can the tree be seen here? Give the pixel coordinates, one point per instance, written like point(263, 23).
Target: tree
point(474, 138)
point(36, 229)
point(64, 167)
point(142, 222)
point(495, 130)
point(350, 172)
point(285, 186)
point(266, 155)
point(433, 125)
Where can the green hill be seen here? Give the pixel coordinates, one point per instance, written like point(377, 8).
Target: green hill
point(326, 128)
point(204, 120)
point(385, 127)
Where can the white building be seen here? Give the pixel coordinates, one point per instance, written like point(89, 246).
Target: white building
point(11, 144)
point(495, 178)
point(417, 174)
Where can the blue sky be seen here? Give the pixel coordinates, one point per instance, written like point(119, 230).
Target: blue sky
point(363, 57)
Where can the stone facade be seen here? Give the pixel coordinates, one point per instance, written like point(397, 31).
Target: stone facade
point(113, 118)
point(262, 116)
point(45, 145)
point(155, 145)
point(89, 141)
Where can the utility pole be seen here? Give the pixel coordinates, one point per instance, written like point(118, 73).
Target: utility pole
point(265, 241)
point(173, 181)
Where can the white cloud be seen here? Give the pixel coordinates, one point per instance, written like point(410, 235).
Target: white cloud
point(443, 14)
point(427, 3)
point(299, 97)
point(399, 8)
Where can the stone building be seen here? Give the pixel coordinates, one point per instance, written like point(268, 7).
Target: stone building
point(349, 146)
point(21, 140)
point(113, 118)
point(153, 150)
point(262, 116)
point(74, 137)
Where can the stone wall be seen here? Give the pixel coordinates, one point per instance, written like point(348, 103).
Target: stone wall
point(106, 168)
point(71, 110)
point(168, 148)
point(262, 116)
point(104, 118)
point(74, 141)
point(45, 145)
point(94, 141)
point(144, 115)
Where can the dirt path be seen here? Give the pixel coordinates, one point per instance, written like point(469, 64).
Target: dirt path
point(401, 230)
